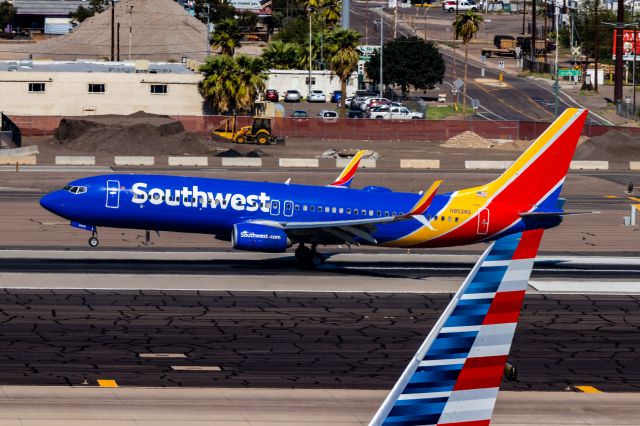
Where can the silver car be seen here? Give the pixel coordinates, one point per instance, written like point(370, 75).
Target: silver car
point(317, 96)
point(292, 96)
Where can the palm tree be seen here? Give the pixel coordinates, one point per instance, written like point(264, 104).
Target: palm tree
point(466, 26)
point(343, 57)
point(231, 85)
point(226, 36)
point(280, 55)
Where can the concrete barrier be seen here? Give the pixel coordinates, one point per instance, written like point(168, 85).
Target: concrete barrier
point(241, 162)
point(189, 161)
point(419, 164)
point(589, 165)
point(20, 159)
point(634, 165)
point(298, 162)
point(365, 163)
point(487, 164)
point(20, 152)
point(75, 160)
point(123, 160)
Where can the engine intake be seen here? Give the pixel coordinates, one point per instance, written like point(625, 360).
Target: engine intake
point(257, 237)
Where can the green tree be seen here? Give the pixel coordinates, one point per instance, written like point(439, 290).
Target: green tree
point(343, 57)
point(466, 26)
point(226, 36)
point(283, 56)
point(7, 13)
point(408, 61)
point(82, 13)
point(231, 85)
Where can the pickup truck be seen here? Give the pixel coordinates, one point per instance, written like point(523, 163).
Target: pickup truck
point(397, 113)
point(463, 5)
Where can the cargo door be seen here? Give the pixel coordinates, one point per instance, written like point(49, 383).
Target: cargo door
point(113, 194)
point(483, 222)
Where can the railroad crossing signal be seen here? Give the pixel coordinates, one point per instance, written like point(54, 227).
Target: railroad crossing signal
point(501, 65)
point(575, 50)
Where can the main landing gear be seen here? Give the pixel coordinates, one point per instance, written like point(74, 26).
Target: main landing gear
point(309, 256)
point(93, 241)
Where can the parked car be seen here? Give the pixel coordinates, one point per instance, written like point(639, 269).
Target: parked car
point(374, 102)
point(463, 5)
point(328, 116)
point(317, 96)
point(372, 112)
point(272, 95)
point(355, 113)
point(292, 96)
point(336, 96)
point(300, 117)
point(396, 113)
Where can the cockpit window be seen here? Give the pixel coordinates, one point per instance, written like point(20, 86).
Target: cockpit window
point(75, 189)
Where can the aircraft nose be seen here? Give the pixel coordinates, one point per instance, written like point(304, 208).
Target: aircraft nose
point(52, 202)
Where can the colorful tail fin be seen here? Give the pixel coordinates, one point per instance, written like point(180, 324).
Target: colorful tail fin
point(345, 178)
point(454, 377)
point(537, 176)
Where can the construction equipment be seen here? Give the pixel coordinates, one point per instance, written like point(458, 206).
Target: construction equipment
point(259, 132)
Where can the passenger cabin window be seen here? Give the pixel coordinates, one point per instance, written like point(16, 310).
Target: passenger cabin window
point(158, 89)
point(96, 88)
point(36, 87)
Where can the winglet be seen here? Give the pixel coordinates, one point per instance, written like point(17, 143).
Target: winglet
point(346, 176)
point(454, 377)
point(423, 203)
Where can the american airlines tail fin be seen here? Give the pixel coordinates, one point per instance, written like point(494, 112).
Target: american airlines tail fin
point(534, 180)
point(345, 177)
point(454, 377)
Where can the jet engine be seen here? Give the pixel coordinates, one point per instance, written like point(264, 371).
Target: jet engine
point(258, 237)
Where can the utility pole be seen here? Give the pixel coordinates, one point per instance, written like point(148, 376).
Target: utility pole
point(533, 36)
point(556, 23)
point(113, 19)
point(346, 10)
point(208, 28)
point(130, 28)
point(381, 52)
point(310, 10)
point(524, 14)
point(617, 90)
point(118, 43)
point(395, 20)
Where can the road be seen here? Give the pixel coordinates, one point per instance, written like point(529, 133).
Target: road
point(518, 99)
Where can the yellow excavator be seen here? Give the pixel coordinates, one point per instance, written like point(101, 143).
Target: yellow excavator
point(259, 132)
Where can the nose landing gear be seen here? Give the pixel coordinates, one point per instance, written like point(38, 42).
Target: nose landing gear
point(93, 241)
point(309, 256)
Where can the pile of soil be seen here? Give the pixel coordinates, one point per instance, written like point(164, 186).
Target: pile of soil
point(468, 139)
point(614, 146)
point(136, 134)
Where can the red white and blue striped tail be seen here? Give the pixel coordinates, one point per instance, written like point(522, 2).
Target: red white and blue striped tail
point(345, 177)
point(454, 377)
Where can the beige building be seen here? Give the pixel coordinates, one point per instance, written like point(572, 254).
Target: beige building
point(41, 88)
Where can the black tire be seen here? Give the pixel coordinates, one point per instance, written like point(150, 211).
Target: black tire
point(316, 259)
point(474, 10)
point(451, 10)
point(240, 139)
point(262, 138)
point(93, 242)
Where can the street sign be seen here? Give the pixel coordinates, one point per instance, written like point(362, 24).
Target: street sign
point(569, 73)
point(366, 51)
point(500, 65)
point(458, 84)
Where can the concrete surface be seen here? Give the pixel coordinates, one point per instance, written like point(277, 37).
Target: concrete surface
point(419, 164)
point(589, 165)
point(18, 159)
point(241, 162)
point(365, 163)
point(189, 161)
point(124, 160)
point(298, 162)
point(75, 160)
point(487, 164)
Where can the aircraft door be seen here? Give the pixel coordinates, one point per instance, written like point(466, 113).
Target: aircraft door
point(483, 222)
point(288, 208)
point(275, 207)
point(113, 194)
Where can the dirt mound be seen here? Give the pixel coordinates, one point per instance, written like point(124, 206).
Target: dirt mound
point(136, 134)
point(468, 139)
point(614, 146)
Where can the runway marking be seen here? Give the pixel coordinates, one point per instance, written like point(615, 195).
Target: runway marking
point(588, 389)
point(195, 368)
point(611, 196)
point(104, 383)
point(161, 355)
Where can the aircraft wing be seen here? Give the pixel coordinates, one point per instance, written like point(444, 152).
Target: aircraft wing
point(454, 377)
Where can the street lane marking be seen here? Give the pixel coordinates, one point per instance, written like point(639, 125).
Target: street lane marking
point(107, 383)
point(161, 355)
point(588, 389)
point(195, 368)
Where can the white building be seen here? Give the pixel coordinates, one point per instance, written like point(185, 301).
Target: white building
point(42, 88)
point(283, 80)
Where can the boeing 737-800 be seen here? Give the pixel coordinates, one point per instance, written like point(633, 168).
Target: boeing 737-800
point(271, 217)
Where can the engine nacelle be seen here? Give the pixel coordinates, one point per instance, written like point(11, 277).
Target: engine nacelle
point(257, 237)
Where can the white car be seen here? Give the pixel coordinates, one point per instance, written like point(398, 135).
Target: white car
point(316, 96)
point(397, 113)
point(328, 116)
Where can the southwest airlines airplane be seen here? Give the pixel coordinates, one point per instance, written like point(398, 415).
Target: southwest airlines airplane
point(271, 217)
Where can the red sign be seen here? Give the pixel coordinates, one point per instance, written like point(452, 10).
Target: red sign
point(628, 50)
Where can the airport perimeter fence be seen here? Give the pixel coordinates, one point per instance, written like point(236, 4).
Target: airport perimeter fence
point(348, 129)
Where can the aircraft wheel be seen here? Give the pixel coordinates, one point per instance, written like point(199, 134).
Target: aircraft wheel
point(93, 242)
point(303, 254)
point(316, 259)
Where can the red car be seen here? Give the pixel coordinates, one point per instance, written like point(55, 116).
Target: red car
point(272, 95)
